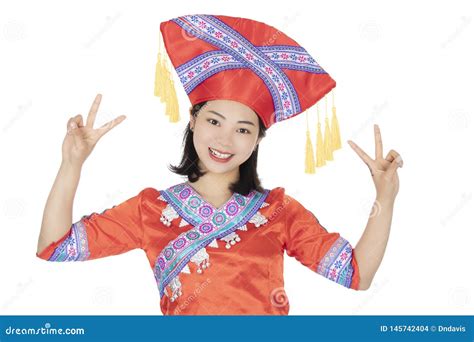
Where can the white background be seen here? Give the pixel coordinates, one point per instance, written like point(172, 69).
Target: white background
point(406, 66)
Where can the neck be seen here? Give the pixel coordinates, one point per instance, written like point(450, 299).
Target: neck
point(216, 185)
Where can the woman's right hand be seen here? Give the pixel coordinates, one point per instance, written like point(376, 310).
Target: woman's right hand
point(80, 140)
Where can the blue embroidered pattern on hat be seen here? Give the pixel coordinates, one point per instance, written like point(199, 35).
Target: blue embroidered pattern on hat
point(217, 33)
point(200, 68)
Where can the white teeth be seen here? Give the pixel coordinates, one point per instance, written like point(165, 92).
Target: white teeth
point(220, 155)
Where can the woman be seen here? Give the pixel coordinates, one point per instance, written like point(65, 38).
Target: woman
point(215, 242)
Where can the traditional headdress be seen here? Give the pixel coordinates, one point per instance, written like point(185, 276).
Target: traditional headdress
point(227, 58)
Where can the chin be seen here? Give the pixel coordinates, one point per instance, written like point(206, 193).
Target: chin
point(211, 167)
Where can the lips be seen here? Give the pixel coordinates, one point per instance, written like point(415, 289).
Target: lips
point(218, 158)
point(222, 152)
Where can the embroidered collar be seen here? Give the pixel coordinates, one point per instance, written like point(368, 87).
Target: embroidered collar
point(209, 223)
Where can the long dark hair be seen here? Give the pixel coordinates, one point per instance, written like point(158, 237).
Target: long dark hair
point(188, 166)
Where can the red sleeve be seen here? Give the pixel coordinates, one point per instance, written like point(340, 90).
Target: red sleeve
point(327, 254)
point(115, 231)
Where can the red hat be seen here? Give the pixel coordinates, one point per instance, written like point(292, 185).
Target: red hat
point(229, 58)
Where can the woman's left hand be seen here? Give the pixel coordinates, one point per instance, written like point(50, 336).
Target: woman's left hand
point(384, 171)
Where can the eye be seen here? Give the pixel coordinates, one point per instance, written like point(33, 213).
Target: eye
point(245, 129)
point(209, 120)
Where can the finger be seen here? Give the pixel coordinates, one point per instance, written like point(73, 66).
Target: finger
point(111, 124)
point(378, 143)
point(392, 168)
point(93, 111)
point(394, 155)
point(78, 120)
point(71, 125)
point(364, 156)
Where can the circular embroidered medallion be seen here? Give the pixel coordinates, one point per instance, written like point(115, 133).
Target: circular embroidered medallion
point(194, 202)
point(169, 252)
point(178, 188)
point(205, 210)
point(205, 228)
point(179, 243)
point(232, 208)
point(193, 235)
point(219, 218)
point(240, 199)
point(184, 193)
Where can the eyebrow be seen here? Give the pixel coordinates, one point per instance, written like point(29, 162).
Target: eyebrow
point(222, 116)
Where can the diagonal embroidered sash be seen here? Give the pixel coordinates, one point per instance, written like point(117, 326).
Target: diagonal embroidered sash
point(200, 68)
point(209, 224)
point(236, 51)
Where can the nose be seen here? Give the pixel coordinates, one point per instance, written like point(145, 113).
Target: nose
point(223, 142)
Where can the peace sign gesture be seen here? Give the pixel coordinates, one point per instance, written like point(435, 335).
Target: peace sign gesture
point(80, 140)
point(384, 171)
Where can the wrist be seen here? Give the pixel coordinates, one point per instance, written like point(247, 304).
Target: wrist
point(70, 167)
point(384, 199)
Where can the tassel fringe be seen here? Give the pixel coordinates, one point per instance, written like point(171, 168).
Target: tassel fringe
point(325, 144)
point(164, 85)
point(309, 160)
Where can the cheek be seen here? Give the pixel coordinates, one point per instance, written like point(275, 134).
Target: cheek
point(202, 137)
point(245, 146)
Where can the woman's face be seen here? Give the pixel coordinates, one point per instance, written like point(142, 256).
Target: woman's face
point(225, 135)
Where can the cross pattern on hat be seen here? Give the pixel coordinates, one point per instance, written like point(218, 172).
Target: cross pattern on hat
point(235, 51)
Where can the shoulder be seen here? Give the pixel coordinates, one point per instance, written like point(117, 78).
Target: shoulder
point(278, 202)
point(150, 198)
point(149, 192)
point(279, 195)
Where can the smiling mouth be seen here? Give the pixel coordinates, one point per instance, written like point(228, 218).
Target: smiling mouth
point(220, 156)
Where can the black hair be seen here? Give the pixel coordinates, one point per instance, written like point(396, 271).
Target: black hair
point(188, 166)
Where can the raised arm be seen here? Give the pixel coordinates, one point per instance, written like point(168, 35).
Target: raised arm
point(371, 247)
point(77, 146)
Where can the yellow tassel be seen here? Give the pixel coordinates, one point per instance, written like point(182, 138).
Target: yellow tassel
point(173, 109)
point(309, 160)
point(320, 157)
point(335, 134)
point(164, 85)
point(327, 138)
point(159, 86)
